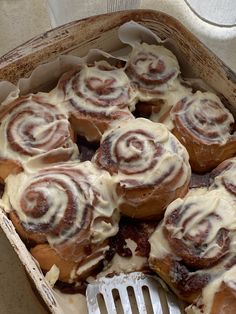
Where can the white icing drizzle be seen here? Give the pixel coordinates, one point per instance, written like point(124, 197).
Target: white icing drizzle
point(144, 153)
point(44, 199)
point(33, 127)
point(101, 88)
point(154, 69)
point(205, 117)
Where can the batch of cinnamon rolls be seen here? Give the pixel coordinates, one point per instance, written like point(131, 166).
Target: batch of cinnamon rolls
point(126, 139)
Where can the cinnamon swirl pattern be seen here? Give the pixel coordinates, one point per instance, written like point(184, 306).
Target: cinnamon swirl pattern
point(96, 96)
point(71, 204)
point(153, 70)
point(224, 177)
point(206, 128)
point(148, 164)
point(33, 127)
point(195, 243)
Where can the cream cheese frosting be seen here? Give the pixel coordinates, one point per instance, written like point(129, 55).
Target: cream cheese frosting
point(153, 69)
point(205, 117)
point(100, 88)
point(226, 178)
point(144, 153)
point(214, 209)
point(33, 127)
point(205, 301)
point(63, 201)
point(162, 115)
point(205, 223)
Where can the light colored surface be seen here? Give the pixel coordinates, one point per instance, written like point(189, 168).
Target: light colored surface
point(16, 294)
point(221, 40)
point(19, 21)
point(64, 11)
point(215, 11)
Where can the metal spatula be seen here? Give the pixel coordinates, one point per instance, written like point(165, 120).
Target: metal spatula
point(130, 294)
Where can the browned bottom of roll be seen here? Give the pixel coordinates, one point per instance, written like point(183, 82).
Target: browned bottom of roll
point(203, 157)
point(92, 126)
point(70, 271)
point(148, 203)
point(186, 285)
point(224, 301)
point(29, 237)
point(8, 166)
point(47, 257)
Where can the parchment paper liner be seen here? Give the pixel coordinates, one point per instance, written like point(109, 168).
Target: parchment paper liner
point(44, 78)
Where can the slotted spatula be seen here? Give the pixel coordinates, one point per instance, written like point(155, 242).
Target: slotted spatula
point(130, 294)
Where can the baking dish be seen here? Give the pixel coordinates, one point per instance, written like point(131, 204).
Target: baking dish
point(78, 38)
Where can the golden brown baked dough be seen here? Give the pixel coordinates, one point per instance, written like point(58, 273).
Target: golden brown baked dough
point(218, 297)
point(205, 127)
point(33, 127)
point(69, 205)
point(8, 166)
point(27, 236)
point(153, 70)
point(148, 164)
point(224, 300)
point(96, 96)
point(70, 271)
point(46, 256)
point(195, 242)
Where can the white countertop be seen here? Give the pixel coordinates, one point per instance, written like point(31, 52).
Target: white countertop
point(20, 20)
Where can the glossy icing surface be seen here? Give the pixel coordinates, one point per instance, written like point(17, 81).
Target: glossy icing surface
point(141, 152)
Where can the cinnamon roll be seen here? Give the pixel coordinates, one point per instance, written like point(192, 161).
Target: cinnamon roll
point(206, 128)
point(153, 70)
point(70, 206)
point(218, 297)
point(224, 177)
point(96, 96)
point(148, 164)
point(195, 243)
point(34, 128)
